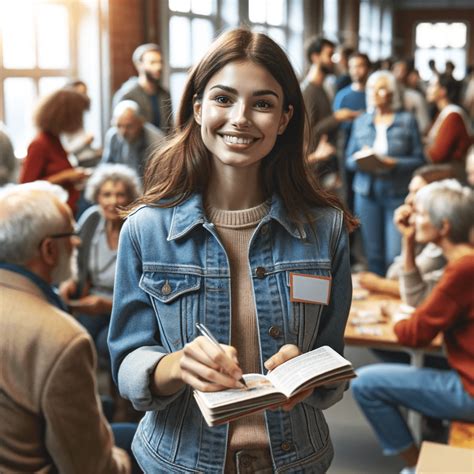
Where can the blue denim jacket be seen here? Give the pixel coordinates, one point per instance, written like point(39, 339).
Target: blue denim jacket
point(404, 144)
point(172, 272)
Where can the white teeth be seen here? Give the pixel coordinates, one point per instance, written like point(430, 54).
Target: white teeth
point(237, 140)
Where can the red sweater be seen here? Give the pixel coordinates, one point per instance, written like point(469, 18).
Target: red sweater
point(46, 157)
point(452, 140)
point(449, 309)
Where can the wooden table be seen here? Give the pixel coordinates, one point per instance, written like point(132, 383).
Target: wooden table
point(367, 327)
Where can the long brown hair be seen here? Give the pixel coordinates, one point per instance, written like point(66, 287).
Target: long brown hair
point(181, 166)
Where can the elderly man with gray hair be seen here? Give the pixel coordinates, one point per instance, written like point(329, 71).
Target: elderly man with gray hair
point(130, 139)
point(51, 420)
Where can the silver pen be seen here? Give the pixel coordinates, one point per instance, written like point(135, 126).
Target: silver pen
point(208, 335)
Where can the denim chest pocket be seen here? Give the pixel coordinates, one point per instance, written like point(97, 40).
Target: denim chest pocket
point(175, 300)
point(305, 317)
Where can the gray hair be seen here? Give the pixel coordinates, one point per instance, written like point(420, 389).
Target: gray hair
point(449, 201)
point(124, 105)
point(28, 214)
point(392, 86)
point(115, 173)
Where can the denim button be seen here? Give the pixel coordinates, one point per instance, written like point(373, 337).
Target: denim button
point(274, 331)
point(166, 288)
point(286, 446)
point(260, 272)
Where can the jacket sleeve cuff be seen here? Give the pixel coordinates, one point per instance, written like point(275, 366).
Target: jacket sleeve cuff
point(134, 379)
point(326, 396)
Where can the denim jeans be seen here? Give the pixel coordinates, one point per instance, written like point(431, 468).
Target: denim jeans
point(380, 237)
point(382, 389)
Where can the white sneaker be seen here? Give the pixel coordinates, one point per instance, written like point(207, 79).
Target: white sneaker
point(408, 470)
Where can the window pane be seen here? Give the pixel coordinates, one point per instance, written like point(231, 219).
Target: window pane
point(330, 25)
point(50, 84)
point(18, 34)
point(180, 42)
point(203, 32)
point(295, 47)
point(295, 19)
point(457, 35)
point(276, 10)
point(177, 80)
point(230, 12)
point(203, 7)
point(180, 5)
point(440, 35)
point(424, 35)
point(257, 11)
point(278, 35)
point(19, 103)
point(53, 42)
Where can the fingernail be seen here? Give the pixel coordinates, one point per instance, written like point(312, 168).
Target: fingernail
point(269, 364)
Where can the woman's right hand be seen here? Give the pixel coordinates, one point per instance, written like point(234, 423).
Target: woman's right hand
point(401, 219)
point(207, 368)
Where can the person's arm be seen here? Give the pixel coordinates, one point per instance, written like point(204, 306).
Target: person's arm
point(353, 145)
point(108, 153)
point(445, 139)
point(34, 163)
point(373, 282)
point(438, 313)
point(408, 162)
point(77, 435)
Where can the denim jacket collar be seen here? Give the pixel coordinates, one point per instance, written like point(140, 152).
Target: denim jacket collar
point(190, 213)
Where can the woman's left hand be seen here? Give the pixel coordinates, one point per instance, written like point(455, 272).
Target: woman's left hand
point(287, 352)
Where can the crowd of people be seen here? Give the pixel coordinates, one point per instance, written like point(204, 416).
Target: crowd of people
point(205, 219)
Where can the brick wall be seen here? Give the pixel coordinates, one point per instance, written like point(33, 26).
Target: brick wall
point(126, 32)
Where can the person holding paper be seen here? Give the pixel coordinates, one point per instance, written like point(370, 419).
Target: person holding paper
point(391, 137)
point(232, 232)
point(445, 216)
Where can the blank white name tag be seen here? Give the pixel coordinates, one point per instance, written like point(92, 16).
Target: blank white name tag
point(309, 288)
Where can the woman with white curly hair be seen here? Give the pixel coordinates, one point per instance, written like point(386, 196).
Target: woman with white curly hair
point(89, 295)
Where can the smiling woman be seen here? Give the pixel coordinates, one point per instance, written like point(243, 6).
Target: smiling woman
point(230, 213)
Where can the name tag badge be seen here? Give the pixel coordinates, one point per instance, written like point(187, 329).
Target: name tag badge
point(309, 288)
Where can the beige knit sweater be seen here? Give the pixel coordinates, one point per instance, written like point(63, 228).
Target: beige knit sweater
point(235, 229)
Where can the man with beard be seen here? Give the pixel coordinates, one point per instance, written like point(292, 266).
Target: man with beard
point(323, 121)
point(146, 90)
point(51, 421)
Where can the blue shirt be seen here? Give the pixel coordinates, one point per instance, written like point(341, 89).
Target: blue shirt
point(172, 271)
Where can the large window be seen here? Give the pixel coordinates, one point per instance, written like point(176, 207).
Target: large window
point(441, 42)
point(39, 53)
point(191, 25)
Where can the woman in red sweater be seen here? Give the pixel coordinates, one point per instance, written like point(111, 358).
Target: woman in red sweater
point(445, 216)
point(450, 135)
point(60, 112)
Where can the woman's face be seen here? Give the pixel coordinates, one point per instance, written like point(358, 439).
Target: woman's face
point(111, 195)
point(433, 91)
point(425, 231)
point(241, 114)
point(382, 93)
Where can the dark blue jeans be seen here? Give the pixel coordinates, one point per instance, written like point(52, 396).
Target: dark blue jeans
point(380, 237)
